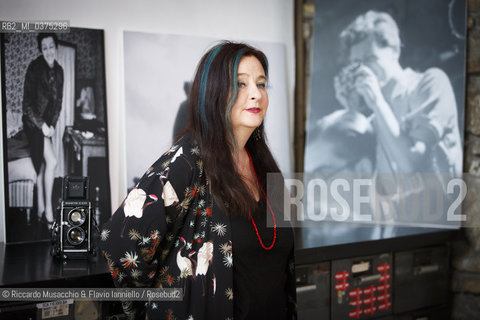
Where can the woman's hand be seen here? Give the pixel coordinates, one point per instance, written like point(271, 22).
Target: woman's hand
point(47, 130)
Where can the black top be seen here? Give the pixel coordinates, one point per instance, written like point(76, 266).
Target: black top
point(42, 103)
point(259, 275)
point(42, 93)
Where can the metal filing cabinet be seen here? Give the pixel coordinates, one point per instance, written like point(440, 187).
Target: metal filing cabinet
point(361, 288)
point(421, 279)
point(435, 313)
point(313, 291)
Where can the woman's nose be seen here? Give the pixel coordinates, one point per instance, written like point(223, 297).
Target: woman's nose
point(255, 92)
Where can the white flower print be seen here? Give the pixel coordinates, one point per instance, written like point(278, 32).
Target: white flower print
point(104, 235)
point(133, 205)
point(200, 165)
point(228, 260)
point(195, 150)
point(130, 260)
point(229, 293)
point(204, 222)
point(188, 246)
point(145, 241)
point(185, 273)
point(121, 276)
point(135, 273)
point(165, 163)
point(154, 306)
point(201, 203)
point(220, 229)
point(168, 195)
point(134, 235)
point(225, 248)
point(192, 224)
point(201, 190)
point(190, 318)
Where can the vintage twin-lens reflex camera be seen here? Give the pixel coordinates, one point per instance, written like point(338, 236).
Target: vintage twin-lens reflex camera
point(72, 231)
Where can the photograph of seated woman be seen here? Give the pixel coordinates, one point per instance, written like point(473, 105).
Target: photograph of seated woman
point(199, 219)
point(42, 103)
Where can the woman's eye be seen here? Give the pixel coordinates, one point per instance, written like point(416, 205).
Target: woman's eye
point(241, 84)
point(261, 85)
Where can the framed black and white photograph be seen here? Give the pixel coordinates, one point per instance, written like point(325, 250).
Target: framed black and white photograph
point(386, 102)
point(159, 69)
point(54, 125)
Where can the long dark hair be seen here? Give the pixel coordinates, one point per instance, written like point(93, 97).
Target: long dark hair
point(214, 91)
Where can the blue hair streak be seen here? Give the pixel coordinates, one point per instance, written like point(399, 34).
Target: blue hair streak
point(203, 84)
point(234, 93)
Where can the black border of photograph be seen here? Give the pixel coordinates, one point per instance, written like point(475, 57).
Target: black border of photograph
point(77, 117)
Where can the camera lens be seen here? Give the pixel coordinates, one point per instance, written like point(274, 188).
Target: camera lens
point(76, 217)
point(75, 236)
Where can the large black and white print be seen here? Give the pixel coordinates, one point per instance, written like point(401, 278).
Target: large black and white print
point(54, 107)
point(387, 104)
point(159, 69)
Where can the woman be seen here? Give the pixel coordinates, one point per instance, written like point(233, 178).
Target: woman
point(197, 220)
point(42, 102)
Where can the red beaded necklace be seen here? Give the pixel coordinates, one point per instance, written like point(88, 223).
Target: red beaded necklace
point(273, 215)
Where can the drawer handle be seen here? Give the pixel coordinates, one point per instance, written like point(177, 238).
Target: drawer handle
point(364, 279)
point(426, 269)
point(312, 287)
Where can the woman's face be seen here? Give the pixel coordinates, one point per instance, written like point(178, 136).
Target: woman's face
point(49, 50)
point(252, 100)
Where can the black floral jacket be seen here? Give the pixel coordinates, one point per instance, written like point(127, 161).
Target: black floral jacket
point(169, 233)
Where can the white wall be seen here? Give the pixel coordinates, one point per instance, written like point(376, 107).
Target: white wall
point(264, 20)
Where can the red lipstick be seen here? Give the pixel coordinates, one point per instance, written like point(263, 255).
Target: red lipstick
point(253, 110)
